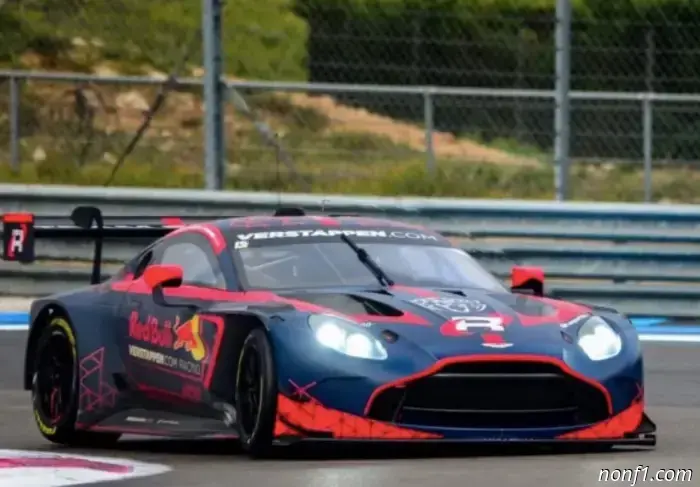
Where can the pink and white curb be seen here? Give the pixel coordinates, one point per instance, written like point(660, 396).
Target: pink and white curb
point(47, 469)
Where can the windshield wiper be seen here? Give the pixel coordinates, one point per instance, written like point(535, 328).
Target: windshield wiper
point(364, 257)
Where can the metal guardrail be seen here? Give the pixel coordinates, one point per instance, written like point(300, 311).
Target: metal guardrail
point(59, 199)
point(642, 259)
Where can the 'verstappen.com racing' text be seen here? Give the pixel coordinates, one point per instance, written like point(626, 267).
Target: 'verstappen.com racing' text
point(642, 473)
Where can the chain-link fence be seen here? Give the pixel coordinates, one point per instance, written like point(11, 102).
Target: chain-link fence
point(360, 110)
point(629, 46)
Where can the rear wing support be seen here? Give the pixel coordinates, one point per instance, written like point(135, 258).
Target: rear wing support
point(84, 217)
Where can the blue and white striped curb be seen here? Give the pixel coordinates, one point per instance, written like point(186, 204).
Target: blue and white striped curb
point(14, 320)
point(650, 329)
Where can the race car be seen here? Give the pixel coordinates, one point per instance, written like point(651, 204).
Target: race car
point(297, 327)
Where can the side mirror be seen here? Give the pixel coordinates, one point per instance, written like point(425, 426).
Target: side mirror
point(160, 276)
point(527, 280)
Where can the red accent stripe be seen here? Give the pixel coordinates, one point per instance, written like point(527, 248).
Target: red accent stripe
point(521, 274)
point(18, 218)
point(139, 286)
point(618, 426)
point(417, 291)
point(437, 366)
point(295, 418)
point(211, 232)
point(405, 319)
point(172, 221)
point(218, 322)
point(327, 221)
point(563, 311)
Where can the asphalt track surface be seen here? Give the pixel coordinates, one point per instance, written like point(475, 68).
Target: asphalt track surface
point(673, 396)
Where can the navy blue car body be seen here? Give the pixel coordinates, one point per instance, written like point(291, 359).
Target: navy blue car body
point(290, 328)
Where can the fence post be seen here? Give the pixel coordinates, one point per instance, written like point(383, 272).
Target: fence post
point(562, 114)
point(429, 122)
point(14, 109)
point(648, 114)
point(648, 141)
point(214, 96)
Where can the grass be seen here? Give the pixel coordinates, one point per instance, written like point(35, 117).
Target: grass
point(616, 183)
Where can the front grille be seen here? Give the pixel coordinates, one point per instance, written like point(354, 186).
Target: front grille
point(493, 395)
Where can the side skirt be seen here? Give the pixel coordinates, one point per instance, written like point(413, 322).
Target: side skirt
point(163, 424)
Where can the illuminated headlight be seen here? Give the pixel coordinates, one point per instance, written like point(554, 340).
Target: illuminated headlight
point(345, 337)
point(598, 340)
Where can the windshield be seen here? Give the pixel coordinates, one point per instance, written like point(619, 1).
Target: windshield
point(336, 264)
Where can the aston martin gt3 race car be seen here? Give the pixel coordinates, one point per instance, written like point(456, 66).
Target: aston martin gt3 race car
point(292, 327)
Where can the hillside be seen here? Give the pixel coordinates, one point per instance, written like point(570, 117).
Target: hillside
point(75, 134)
point(264, 40)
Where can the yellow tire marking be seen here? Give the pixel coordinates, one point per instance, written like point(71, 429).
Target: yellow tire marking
point(63, 325)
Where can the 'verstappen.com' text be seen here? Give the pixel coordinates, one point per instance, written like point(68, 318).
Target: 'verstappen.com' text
point(641, 473)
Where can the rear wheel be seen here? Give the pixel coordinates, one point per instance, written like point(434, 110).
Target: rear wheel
point(256, 394)
point(54, 388)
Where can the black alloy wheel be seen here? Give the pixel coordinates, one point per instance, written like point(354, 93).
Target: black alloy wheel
point(256, 394)
point(54, 379)
point(250, 387)
point(54, 389)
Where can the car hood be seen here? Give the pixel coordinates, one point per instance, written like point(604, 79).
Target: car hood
point(458, 322)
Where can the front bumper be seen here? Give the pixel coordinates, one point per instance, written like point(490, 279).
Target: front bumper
point(484, 398)
point(306, 419)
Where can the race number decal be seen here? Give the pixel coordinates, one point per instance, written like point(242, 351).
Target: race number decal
point(489, 328)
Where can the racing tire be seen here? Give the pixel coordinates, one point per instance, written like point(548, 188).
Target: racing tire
point(55, 389)
point(256, 394)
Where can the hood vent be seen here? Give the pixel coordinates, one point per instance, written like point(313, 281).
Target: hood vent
point(458, 292)
point(348, 304)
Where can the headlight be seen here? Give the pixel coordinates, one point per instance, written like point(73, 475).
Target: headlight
point(598, 339)
point(345, 337)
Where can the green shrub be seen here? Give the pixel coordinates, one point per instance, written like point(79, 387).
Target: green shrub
point(262, 39)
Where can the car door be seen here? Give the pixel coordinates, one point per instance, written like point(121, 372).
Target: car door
point(169, 348)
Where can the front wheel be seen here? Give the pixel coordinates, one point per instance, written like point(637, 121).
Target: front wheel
point(256, 394)
point(54, 388)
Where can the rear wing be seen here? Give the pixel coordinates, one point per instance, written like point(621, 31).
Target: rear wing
point(20, 232)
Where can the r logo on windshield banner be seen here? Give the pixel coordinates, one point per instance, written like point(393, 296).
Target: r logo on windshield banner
point(490, 328)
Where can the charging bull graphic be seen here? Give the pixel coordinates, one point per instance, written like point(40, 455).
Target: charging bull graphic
point(188, 335)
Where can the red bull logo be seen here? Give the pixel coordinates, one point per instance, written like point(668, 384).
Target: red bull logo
point(150, 331)
point(188, 336)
